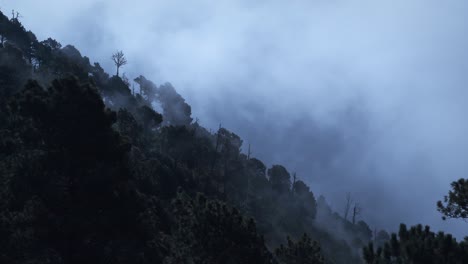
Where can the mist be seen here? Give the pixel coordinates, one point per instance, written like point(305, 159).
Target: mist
point(363, 97)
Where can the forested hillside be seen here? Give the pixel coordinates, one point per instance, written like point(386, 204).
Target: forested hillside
point(90, 172)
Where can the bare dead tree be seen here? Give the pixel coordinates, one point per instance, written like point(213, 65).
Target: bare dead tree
point(249, 153)
point(356, 212)
point(14, 15)
point(213, 163)
point(293, 186)
point(119, 60)
point(349, 201)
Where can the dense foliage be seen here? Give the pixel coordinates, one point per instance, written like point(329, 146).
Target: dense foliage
point(455, 204)
point(303, 251)
point(418, 245)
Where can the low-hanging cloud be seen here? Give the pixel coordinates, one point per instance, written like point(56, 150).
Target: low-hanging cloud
point(367, 97)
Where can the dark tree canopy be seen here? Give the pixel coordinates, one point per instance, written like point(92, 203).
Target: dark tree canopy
point(455, 205)
point(418, 245)
point(304, 251)
point(280, 179)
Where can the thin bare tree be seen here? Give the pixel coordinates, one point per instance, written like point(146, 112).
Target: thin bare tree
point(349, 201)
point(119, 60)
point(213, 163)
point(356, 212)
point(15, 15)
point(294, 183)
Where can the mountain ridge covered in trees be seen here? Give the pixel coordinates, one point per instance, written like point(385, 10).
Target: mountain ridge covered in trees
point(91, 173)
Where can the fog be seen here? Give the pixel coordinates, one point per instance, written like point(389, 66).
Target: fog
point(367, 97)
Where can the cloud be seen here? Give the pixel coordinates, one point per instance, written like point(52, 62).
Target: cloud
point(361, 96)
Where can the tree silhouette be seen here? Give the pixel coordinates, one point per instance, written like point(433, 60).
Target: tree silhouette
point(304, 251)
point(349, 201)
point(119, 60)
point(455, 205)
point(418, 245)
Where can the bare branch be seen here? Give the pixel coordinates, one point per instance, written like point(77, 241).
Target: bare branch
point(356, 212)
point(349, 201)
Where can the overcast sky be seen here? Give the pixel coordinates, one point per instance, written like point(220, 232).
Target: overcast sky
point(368, 97)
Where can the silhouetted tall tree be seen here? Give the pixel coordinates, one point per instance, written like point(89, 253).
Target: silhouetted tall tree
point(455, 205)
point(348, 204)
point(119, 60)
